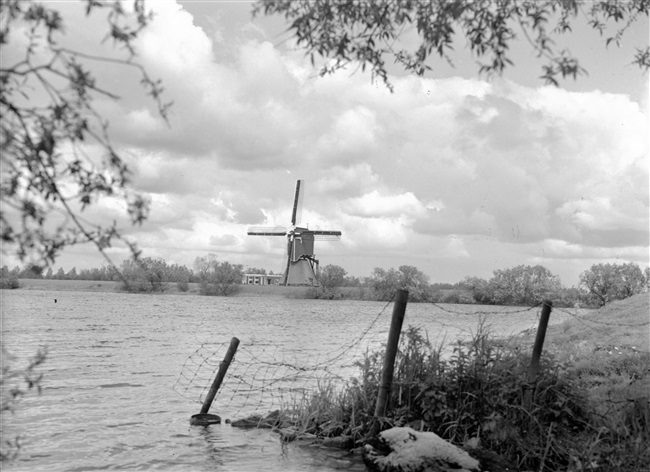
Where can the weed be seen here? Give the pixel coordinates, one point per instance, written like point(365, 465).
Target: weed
point(476, 395)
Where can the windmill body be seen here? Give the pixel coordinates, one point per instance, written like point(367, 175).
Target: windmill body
point(302, 264)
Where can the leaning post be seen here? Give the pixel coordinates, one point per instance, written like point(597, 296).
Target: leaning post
point(223, 368)
point(399, 309)
point(533, 369)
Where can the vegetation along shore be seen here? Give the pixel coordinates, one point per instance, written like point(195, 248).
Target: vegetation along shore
point(522, 285)
point(589, 409)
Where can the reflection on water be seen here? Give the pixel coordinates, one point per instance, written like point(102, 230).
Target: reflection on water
point(114, 358)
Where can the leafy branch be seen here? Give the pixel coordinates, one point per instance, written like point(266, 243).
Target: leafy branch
point(369, 32)
point(51, 132)
point(15, 383)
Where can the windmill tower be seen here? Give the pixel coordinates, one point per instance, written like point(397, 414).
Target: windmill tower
point(301, 261)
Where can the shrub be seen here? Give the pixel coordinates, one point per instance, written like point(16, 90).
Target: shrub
point(183, 285)
point(218, 278)
point(9, 282)
point(479, 392)
point(209, 288)
point(143, 275)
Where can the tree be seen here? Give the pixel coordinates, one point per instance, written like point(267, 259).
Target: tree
point(218, 278)
point(49, 122)
point(608, 282)
point(203, 266)
point(8, 279)
point(369, 33)
point(143, 274)
point(480, 290)
point(31, 271)
point(520, 285)
point(523, 285)
point(331, 278)
point(385, 283)
point(416, 282)
point(181, 275)
point(72, 274)
point(352, 281)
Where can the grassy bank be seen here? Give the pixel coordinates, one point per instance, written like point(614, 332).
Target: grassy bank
point(171, 288)
point(590, 406)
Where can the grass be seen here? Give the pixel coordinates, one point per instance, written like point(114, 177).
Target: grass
point(590, 406)
point(171, 288)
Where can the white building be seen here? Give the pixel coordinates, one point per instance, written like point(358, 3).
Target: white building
point(261, 279)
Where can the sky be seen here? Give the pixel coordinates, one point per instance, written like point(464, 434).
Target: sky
point(452, 173)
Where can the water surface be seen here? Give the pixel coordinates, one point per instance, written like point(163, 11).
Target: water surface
point(125, 372)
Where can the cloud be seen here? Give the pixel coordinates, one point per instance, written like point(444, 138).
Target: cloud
point(223, 240)
point(491, 172)
point(375, 205)
point(351, 137)
point(341, 181)
point(454, 158)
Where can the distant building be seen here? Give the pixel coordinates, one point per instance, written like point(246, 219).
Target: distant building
point(261, 279)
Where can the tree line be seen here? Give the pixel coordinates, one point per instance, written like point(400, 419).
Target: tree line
point(522, 285)
point(144, 274)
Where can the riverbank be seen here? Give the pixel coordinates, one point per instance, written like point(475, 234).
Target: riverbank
point(171, 288)
point(617, 328)
point(588, 409)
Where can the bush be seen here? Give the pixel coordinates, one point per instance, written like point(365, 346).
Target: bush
point(218, 278)
point(9, 282)
point(143, 275)
point(209, 288)
point(141, 285)
point(183, 285)
point(479, 393)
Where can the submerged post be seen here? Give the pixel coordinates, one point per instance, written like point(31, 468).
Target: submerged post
point(391, 351)
point(533, 369)
point(223, 368)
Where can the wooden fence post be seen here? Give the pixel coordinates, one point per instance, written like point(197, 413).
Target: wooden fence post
point(533, 369)
point(391, 351)
point(223, 368)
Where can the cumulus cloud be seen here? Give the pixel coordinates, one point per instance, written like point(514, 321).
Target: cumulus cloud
point(374, 204)
point(438, 157)
point(223, 240)
point(444, 167)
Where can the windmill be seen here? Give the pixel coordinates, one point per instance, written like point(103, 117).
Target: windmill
point(301, 261)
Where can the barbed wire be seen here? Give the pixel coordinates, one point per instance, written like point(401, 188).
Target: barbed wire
point(263, 375)
point(481, 312)
point(266, 376)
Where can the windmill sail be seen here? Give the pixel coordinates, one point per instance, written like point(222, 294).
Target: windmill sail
point(267, 231)
point(296, 214)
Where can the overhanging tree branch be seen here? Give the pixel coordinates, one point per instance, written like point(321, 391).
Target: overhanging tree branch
point(48, 124)
point(342, 31)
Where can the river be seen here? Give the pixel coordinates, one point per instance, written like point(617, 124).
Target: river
point(125, 372)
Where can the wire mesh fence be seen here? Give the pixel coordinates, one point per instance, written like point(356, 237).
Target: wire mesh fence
point(267, 374)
